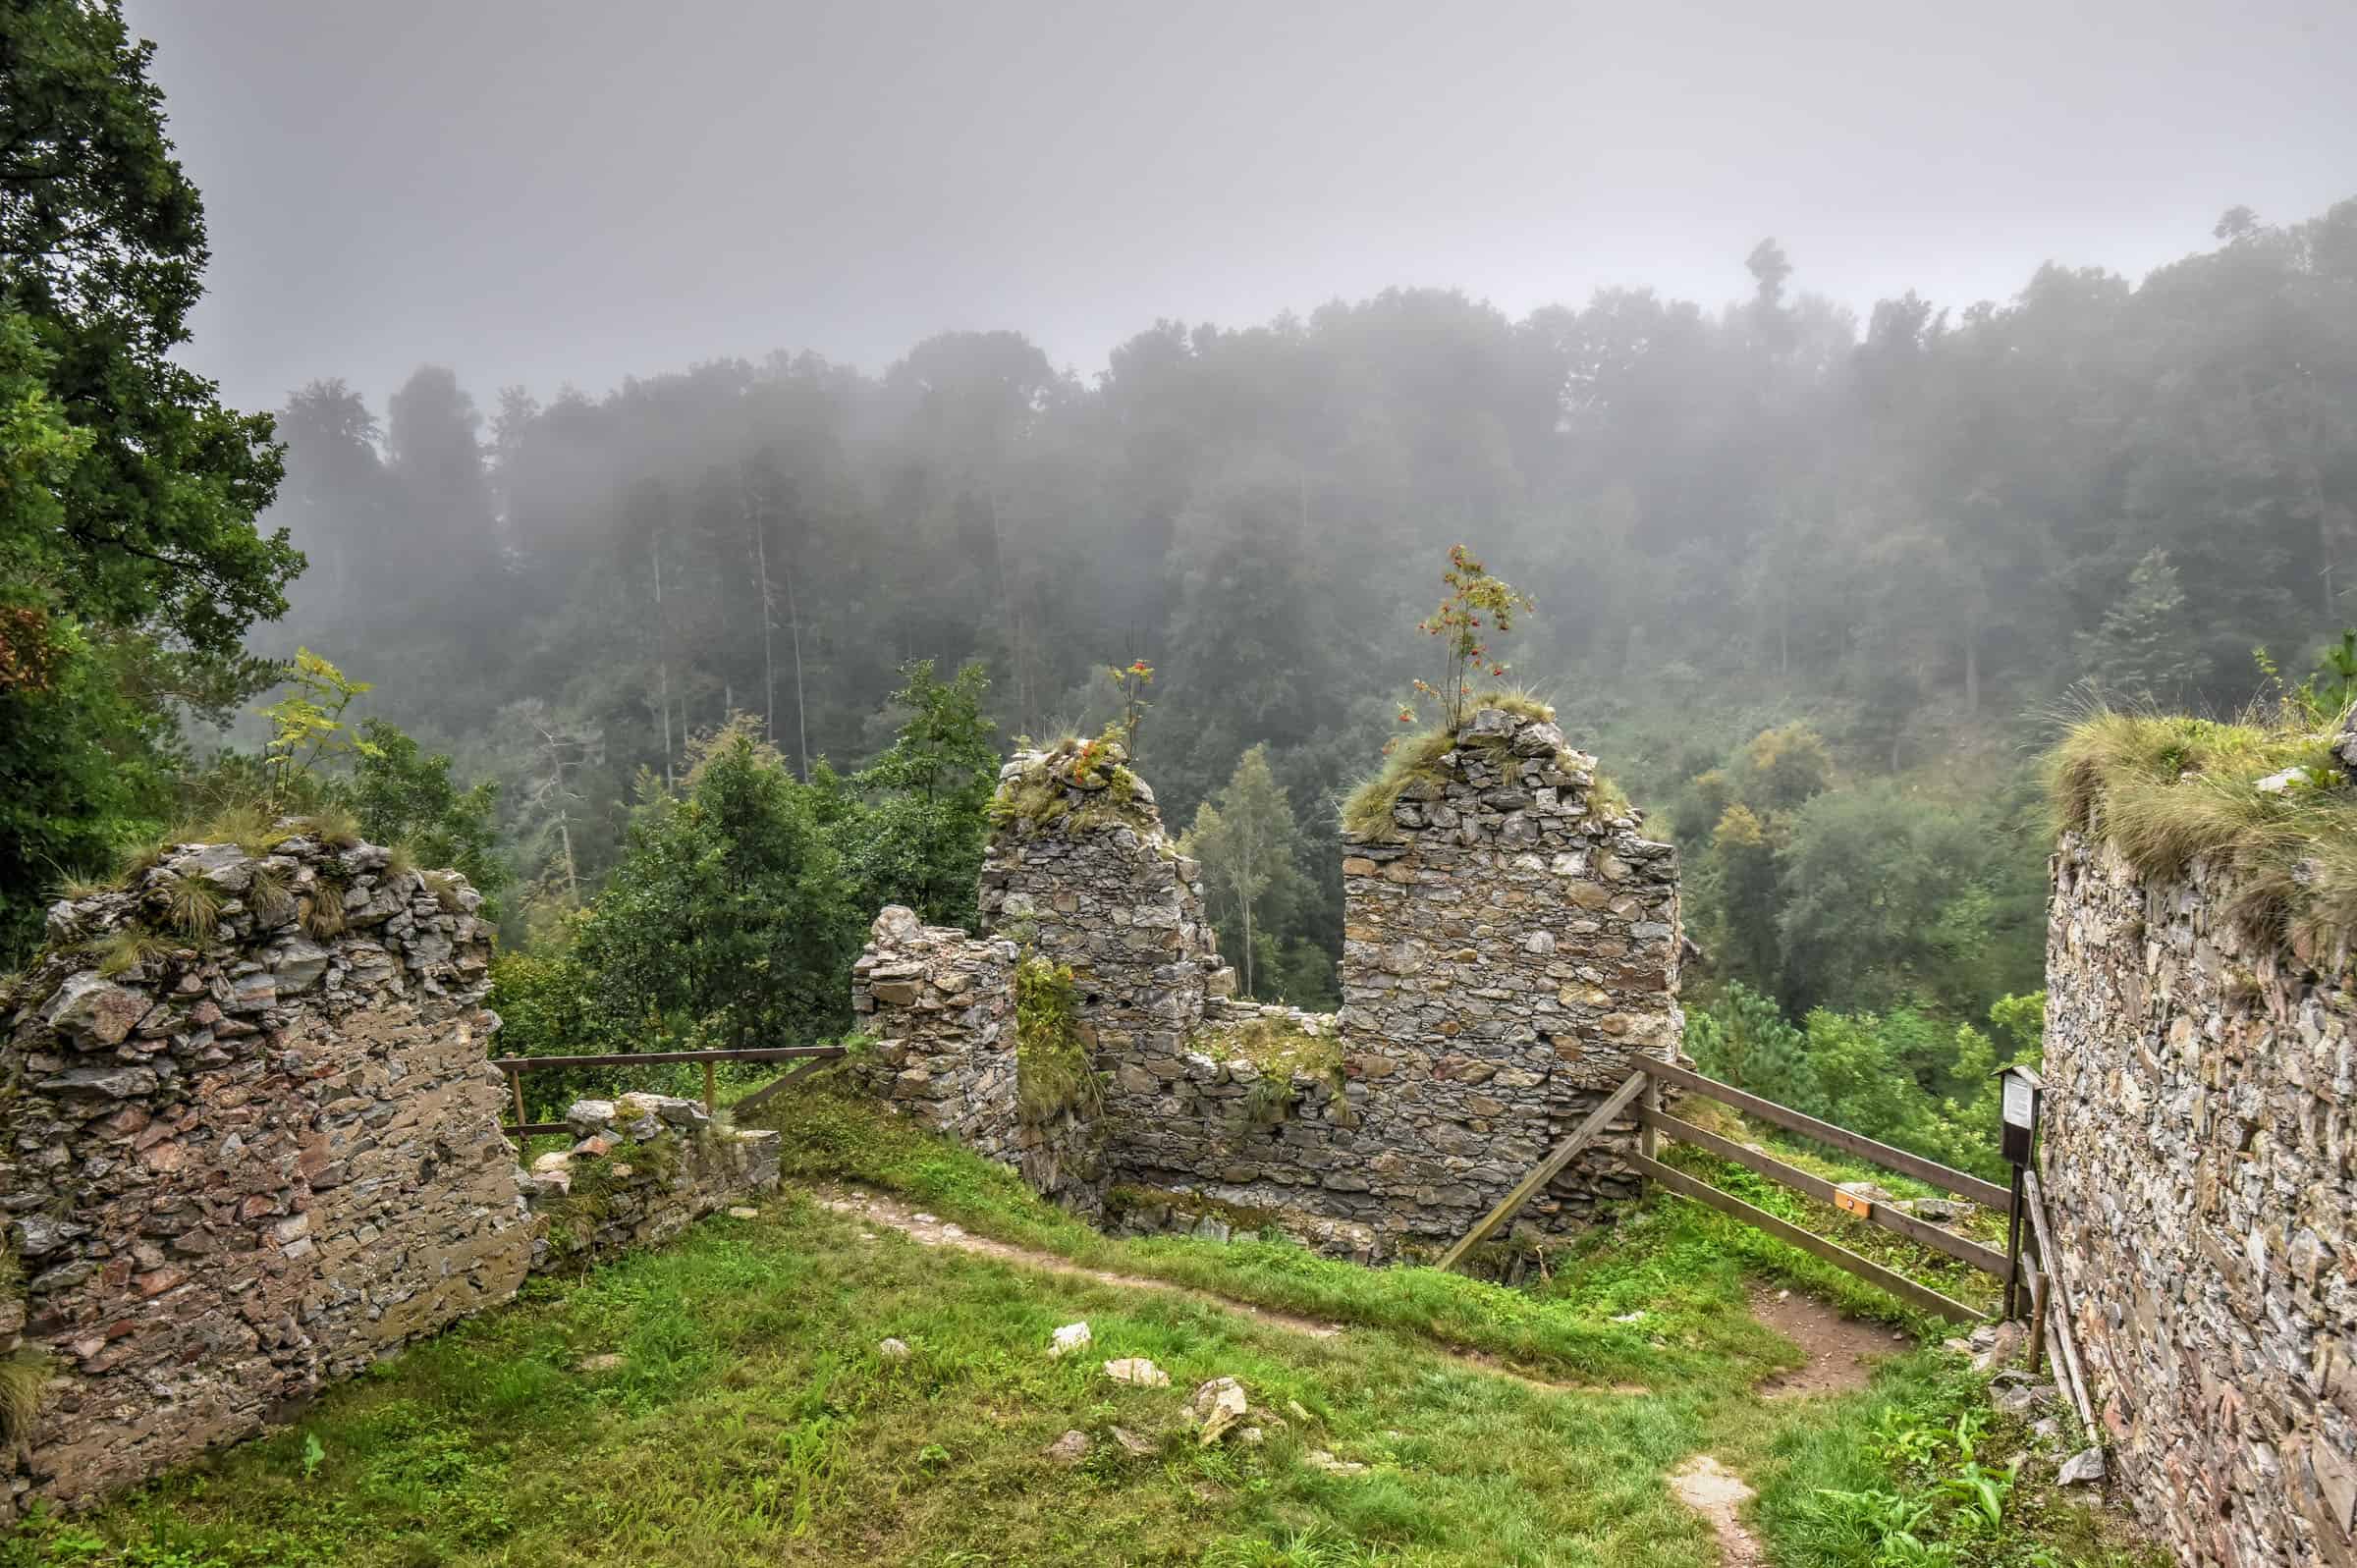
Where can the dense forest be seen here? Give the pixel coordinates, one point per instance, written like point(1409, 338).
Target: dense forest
point(722, 658)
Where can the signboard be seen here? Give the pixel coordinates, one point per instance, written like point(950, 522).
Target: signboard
point(2020, 1098)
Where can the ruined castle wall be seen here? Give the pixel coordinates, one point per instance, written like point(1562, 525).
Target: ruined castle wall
point(940, 1007)
point(643, 1169)
point(1509, 950)
point(2200, 1162)
point(234, 1167)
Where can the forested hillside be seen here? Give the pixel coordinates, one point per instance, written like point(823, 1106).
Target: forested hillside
point(1813, 587)
point(720, 660)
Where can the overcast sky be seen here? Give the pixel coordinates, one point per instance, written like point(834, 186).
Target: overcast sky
point(548, 193)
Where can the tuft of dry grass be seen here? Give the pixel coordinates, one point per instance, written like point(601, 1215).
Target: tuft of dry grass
point(195, 908)
point(1367, 809)
point(2167, 790)
point(321, 911)
point(128, 949)
point(24, 1376)
point(334, 825)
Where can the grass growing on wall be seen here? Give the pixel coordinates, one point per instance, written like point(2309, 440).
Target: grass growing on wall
point(1052, 1074)
point(2167, 790)
point(1412, 759)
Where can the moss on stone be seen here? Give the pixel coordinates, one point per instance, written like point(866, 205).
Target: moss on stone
point(1074, 787)
point(2265, 803)
point(1367, 809)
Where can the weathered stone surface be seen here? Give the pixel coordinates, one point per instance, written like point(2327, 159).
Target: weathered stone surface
point(268, 1160)
point(1507, 954)
point(2200, 1158)
point(643, 1169)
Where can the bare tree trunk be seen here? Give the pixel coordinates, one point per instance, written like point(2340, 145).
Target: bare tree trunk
point(801, 717)
point(769, 624)
point(662, 660)
point(1972, 668)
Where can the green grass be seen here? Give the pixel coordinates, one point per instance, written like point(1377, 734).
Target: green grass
point(2167, 790)
point(1684, 1265)
point(752, 1419)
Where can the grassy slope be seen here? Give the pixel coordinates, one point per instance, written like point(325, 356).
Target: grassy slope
point(752, 1419)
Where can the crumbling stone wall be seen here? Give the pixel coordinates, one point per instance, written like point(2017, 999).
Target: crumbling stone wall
point(1094, 882)
point(644, 1168)
point(242, 1161)
point(2198, 1155)
point(1510, 948)
point(940, 1007)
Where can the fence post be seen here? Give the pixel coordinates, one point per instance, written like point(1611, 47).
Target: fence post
point(516, 1086)
point(711, 1095)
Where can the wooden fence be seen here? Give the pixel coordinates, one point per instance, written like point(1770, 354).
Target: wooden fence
point(1643, 1089)
point(516, 1066)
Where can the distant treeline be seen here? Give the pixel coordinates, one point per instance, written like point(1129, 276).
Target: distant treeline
point(1909, 539)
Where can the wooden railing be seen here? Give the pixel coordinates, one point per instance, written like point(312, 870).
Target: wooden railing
point(1642, 1089)
point(516, 1066)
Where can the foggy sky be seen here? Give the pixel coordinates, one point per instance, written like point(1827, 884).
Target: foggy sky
point(548, 193)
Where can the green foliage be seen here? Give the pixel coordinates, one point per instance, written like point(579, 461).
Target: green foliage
point(1249, 847)
point(2141, 650)
point(728, 922)
point(1130, 681)
point(2167, 790)
point(1901, 1077)
point(308, 728)
point(404, 795)
point(1477, 608)
point(1052, 1076)
point(912, 833)
point(130, 564)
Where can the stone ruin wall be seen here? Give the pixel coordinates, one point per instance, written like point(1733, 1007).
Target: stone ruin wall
point(2200, 1161)
point(247, 1165)
point(1507, 951)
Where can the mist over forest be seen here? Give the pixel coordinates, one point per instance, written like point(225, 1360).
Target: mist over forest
point(1896, 544)
point(692, 676)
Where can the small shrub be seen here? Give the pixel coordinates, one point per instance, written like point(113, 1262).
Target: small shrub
point(23, 1375)
point(1052, 1070)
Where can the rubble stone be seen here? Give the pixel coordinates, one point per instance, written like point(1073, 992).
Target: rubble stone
point(2200, 1161)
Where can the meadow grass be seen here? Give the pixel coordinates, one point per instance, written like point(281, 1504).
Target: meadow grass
point(752, 1418)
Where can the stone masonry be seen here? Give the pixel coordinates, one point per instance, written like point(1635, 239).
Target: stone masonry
point(1509, 950)
point(2199, 1158)
point(644, 1169)
point(250, 1144)
point(239, 1163)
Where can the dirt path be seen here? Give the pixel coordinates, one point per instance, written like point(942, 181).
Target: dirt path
point(1718, 1494)
point(1842, 1351)
point(930, 1230)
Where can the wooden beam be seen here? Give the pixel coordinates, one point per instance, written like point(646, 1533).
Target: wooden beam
point(1841, 1256)
point(768, 1090)
point(649, 1059)
point(2058, 1314)
point(1987, 1259)
point(1547, 1169)
point(1986, 1193)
